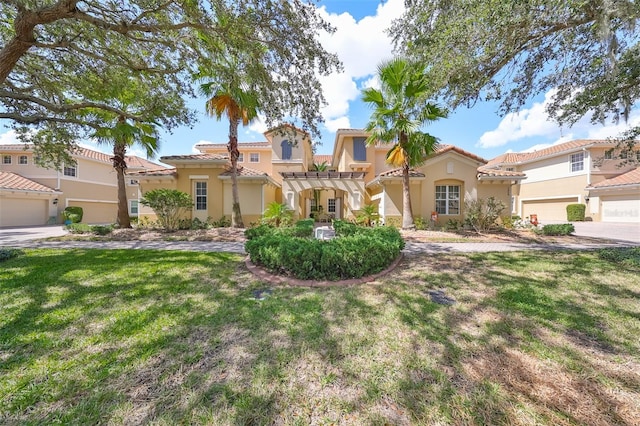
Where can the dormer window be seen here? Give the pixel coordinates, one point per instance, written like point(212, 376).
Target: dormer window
point(359, 149)
point(286, 150)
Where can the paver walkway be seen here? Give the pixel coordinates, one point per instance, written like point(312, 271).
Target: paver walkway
point(238, 247)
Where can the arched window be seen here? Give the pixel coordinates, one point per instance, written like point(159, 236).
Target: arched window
point(286, 150)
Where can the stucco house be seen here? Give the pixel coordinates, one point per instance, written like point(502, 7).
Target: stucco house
point(579, 171)
point(33, 195)
point(281, 169)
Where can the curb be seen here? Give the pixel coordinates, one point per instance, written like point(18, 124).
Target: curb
point(267, 276)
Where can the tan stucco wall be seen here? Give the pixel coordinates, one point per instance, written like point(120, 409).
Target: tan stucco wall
point(145, 213)
point(569, 186)
point(251, 199)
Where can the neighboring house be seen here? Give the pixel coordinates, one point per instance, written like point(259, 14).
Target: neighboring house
point(282, 169)
point(33, 195)
point(580, 171)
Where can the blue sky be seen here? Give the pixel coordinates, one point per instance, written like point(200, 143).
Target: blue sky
point(361, 44)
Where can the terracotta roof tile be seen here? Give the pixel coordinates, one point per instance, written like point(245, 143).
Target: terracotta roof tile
point(13, 181)
point(398, 173)
point(523, 157)
point(244, 172)
point(321, 158)
point(241, 145)
point(631, 177)
point(194, 157)
point(485, 171)
point(156, 172)
point(135, 162)
point(444, 148)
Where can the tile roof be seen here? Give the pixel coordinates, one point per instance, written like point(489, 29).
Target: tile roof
point(398, 173)
point(631, 177)
point(135, 162)
point(245, 172)
point(488, 172)
point(444, 148)
point(157, 172)
point(321, 158)
point(523, 157)
point(13, 181)
point(194, 157)
point(240, 145)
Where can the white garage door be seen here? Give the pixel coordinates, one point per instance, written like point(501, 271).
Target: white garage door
point(620, 210)
point(23, 212)
point(549, 209)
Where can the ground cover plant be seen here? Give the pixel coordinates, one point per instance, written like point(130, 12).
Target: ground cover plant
point(168, 337)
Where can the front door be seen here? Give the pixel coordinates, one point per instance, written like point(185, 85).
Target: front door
point(200, 210)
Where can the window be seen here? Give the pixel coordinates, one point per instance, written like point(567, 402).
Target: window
point(638, 156)
point(608, 154)
point(314, 207)
point(577, 162)
point(133, 207)
point(22, 159)
point(331, 205)
point(240, 157)
point(359, 149)
point(286, 150)
point(510, 169)
point(254, 157)
point(448, 199)
point(6, 159)
point(70, 171)
point(201, 195)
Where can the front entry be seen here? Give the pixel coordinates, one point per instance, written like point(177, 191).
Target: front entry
point(200, 190)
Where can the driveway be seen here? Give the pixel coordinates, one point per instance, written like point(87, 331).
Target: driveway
point(629, 232)
point(13, 235)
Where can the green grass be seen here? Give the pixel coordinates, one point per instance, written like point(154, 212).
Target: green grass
point(168, 337)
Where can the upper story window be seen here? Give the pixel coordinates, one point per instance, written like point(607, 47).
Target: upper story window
point(608, 154)
point(577, 162)
point(359, 149)
point(286, 150)
point(6, 159)
point(22, 159)
point(510, 169)
point(254, 157)
point(70, 171)
point(240, 157)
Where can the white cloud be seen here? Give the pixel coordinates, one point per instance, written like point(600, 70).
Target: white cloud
point(361, 46)
point(338, 123)
point(10, 137)
point(535, 123)
point(522, 124)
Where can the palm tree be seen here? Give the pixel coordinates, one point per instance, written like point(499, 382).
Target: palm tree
point(124, 135)
point(400, 111)
point(240, 104)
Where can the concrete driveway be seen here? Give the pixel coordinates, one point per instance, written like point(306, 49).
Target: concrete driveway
point(20, 234)
point(629, 232)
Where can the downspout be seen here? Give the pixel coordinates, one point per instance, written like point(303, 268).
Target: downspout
point(588, 155)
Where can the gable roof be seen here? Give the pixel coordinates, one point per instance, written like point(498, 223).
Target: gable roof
point(241, 145)
point(322, 158)
point(444, 148)
point(630, 178)
point(158, 172)
point(15, 182)
point(566, 147)
point(244, 172)
point(212, 158)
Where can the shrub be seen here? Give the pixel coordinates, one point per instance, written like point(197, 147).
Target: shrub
point(559, 229)
point(482, 215)
point(277, 214)
point(102, 229)
point(168, 205)
point(421, 223)
point(223, 222)
point(363, 252)
point(453, 225)
point(73, 214)
point(79, 228)
point(576, 212)
point(9, 253)
point(628, 256)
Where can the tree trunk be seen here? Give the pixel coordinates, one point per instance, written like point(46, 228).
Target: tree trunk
point(407, 211)
point(236, 215)
point(120, 164)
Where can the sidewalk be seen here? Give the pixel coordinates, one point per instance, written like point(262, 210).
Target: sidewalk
point(238, 247)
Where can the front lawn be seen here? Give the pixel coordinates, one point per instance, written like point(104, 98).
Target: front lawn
point(168, 337)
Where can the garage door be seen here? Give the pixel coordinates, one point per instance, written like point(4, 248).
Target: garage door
point(548, 209)
point(97, 212)
point(620, 210)
point(23, 212)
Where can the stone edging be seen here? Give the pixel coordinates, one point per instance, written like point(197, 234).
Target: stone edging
point(267, 276)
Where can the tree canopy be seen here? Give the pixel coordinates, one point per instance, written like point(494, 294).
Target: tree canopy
point(510, 50)
point(57, 58)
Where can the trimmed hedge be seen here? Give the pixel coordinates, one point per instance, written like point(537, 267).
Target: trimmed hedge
point(576, 212)
point(73, 213)
point(559, 229)
point(354, 254)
